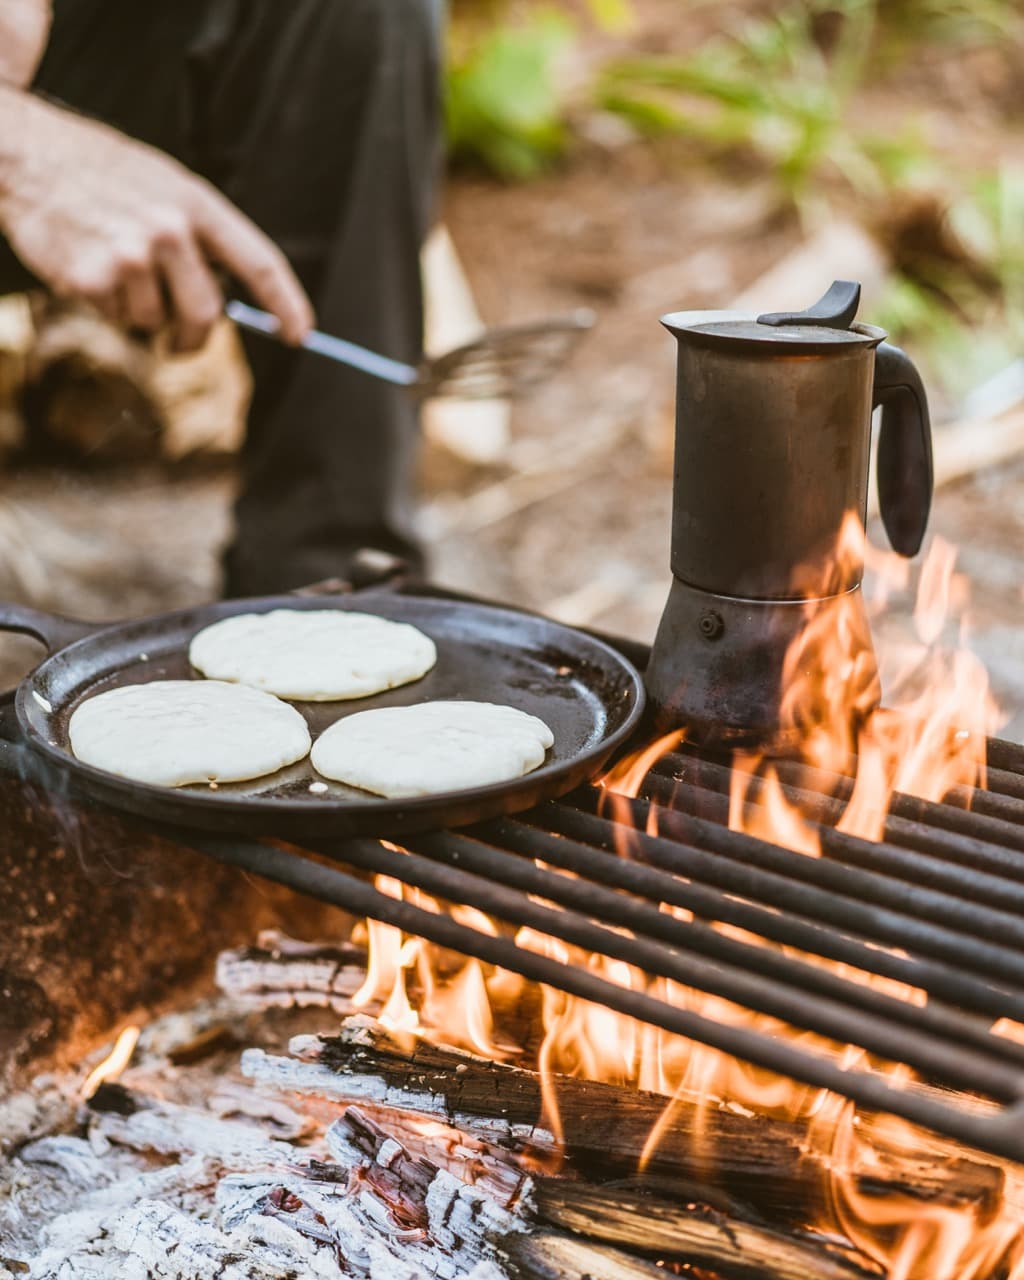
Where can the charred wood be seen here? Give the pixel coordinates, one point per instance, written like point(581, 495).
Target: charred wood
point(480, 1164)
point(694, 1234)
point(549, 1256)
point(763, 1161)
point(283, 973)
point(363, 1205)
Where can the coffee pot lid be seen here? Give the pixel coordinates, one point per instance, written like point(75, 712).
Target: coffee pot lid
point(828, 323)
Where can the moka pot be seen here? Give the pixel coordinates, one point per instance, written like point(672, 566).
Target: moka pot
point(773, 434)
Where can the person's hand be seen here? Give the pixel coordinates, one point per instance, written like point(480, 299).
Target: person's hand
point(24, 28)
point(94, 214)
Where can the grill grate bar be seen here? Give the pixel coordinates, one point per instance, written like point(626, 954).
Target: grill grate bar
point(944, 830)
point(1003, 800)
point(748, 867)
point(946, 908)
point(489, 888)
point(647, 921)
point(1007, 756)
point(997, 1131)
point(1002, 783)
point(995, 885)
point(594, 860)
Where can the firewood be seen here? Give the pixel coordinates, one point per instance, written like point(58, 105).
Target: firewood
point(377, 1209)
point(281, 973)
point(761, 1160)
point(93, 392)
point(693, 1234)
point(87, 388)
point(365, 1132)
point(547, 1256)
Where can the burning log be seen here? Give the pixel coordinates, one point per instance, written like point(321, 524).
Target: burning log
point(763, 1161)
point(357, 1136)
point(694, 1234)
point(547, 1256)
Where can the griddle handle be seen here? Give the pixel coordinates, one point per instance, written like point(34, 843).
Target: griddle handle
point(53, 630)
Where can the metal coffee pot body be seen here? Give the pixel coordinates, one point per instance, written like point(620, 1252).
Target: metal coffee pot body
point(773, 436)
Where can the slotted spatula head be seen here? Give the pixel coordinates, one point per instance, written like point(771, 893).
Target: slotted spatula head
point(503, 363)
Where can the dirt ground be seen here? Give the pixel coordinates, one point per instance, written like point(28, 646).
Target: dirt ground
point(575, 519)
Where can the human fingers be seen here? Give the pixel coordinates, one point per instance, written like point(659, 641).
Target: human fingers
point(235, 242)
point(143, 305)
point(195, 295)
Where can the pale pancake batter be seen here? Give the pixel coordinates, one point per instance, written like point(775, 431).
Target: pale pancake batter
point(174, 732)
point(319, 655)
point(431, 748)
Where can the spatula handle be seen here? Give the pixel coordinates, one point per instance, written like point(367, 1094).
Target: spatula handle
point(325, 344)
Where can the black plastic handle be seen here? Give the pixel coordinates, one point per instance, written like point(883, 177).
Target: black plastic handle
point(54, 631)
point(906, 476)
point(835, 310)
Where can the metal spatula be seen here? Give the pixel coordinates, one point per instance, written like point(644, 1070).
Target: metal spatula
point(499, 365)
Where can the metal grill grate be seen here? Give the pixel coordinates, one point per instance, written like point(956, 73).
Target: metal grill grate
point(936, 906)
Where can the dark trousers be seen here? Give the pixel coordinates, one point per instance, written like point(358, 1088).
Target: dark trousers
point(320, 120)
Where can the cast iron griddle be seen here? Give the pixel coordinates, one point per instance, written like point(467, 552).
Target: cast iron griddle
point(588, 694)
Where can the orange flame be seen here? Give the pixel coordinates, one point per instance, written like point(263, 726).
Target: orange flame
point(930, 737)
point(114, 1063)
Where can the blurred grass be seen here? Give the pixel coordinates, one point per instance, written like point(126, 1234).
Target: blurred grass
point(965, 309)
point(505, 99)
point(782, 92)
point(503, 105)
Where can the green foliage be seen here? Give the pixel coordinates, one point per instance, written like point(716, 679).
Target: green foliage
point(769, 88)
point(959, 21)
point(989, 221)
point(968, 317)
point(611, 15)
point(503, 103)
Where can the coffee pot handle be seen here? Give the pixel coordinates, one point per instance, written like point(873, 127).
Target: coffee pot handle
point(905, 472)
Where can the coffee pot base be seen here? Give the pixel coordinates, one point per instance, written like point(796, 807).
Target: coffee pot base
point(751, 673)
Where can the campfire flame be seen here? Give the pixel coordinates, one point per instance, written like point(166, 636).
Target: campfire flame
point(114, 1064)
point(928, 739)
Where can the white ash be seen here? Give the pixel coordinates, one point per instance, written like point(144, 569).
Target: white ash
point(233, 1099)
point(169, 1129)
point(193, 1173)
point(31, 1113)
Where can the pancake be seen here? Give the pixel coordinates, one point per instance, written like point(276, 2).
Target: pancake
point(319, 655)
point(431, 748)
point(174, 732)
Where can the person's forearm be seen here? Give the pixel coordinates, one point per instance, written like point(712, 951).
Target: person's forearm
point(15, 113)
point(26, 124)
point(24, 31)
